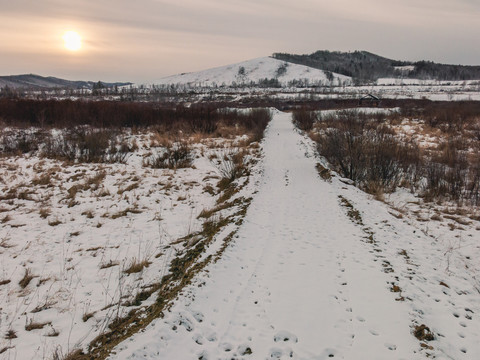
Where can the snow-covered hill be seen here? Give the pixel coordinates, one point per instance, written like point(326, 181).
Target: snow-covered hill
point(260, 70)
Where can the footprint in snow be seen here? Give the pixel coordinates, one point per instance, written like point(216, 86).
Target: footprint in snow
point(227, 347)
point(198, 339)
point(198, 316)
point(391, 346)
point(285, 336)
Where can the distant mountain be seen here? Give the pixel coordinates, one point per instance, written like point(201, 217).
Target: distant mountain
point(365, 66)
point(261, 72)
point(31, 81)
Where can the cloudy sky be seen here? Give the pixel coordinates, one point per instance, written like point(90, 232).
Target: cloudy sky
point(145, 40)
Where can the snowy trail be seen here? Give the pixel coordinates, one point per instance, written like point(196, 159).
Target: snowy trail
point(298, 282)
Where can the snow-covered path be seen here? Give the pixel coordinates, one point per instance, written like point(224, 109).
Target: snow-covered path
point(298, 282)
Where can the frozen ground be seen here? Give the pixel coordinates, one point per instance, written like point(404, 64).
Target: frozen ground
point(77, 229)
point(320, 270)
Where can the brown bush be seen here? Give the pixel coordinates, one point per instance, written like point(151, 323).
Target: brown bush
point(367, 153)
point(304, 119)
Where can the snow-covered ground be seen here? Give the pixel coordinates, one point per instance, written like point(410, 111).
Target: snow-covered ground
point(319, 270)
point(77, 229)
point(255, 70)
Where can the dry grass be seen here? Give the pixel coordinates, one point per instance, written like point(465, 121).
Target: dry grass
point(96, 180)
point(160, 139)
point(125, 213)
point(44, 212)
point(324, 173)
point(87, 316)
point(137, 266)
point(72, 355)
point(6, 219)
point(89, 214)
point(128, 188)
point(209, 190)
point(436, 217)
point(5, 348)
point(4, 243)
point(10, 334)
point(27, 277)
point(423, 333)
point(54, 222)
point(109, 264)
point(36, 325)
point(4, 282)
point(43, 180)
point(207, 213)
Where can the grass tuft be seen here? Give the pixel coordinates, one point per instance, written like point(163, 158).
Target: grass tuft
point(27, 277)
point(136, 266)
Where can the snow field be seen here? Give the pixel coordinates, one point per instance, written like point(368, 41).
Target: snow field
point(80, 250)
point(306, 280)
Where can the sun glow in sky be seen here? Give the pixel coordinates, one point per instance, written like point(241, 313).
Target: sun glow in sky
point(119, 40)
point(72, 40)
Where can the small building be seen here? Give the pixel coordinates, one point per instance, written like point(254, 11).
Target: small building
point(369, 100)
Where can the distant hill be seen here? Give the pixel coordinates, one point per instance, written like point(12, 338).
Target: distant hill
point(31, 81)
point(260, 72)
point(365, 66)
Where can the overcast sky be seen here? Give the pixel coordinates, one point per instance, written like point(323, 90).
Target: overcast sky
point(144, 40)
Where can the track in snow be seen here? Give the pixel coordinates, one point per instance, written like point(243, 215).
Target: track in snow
point(298, 282)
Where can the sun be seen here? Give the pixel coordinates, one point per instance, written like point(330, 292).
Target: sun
point(72, 40)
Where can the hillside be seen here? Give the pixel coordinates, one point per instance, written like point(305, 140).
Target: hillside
point(363, 65)
point(32, 81)
point(262, 72)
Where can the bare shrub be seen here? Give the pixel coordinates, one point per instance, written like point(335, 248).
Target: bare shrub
point(16, 142)
point(367, 153)
point(304, 119)
point(178, 155)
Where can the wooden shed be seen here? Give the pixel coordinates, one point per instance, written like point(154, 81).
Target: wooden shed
point(369, 100)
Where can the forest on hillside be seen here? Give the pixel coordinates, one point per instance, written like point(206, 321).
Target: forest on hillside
point(364, 66)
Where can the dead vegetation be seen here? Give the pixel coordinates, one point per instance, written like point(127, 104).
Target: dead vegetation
point(32, 325)
point(177, 155)
point(79, 181)
point(438, 160)
point(183, 267)
point(10, 334)
point(109, 264)
point(423, 333)
point(131, 210)
point(136, 266)
point(27, 277)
